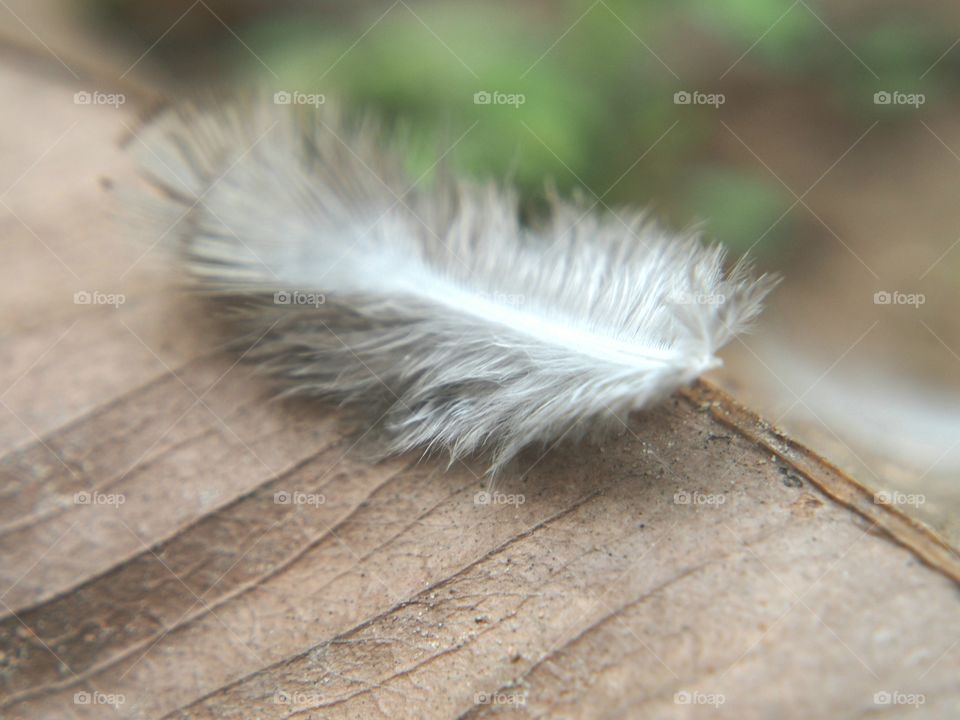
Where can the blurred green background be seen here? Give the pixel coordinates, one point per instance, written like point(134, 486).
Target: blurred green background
point(598, 81)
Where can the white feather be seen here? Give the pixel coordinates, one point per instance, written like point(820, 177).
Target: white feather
point(466, 330)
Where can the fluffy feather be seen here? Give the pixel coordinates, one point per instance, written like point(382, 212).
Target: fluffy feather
point(456, 324)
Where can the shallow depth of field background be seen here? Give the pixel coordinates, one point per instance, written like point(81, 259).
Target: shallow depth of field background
point(822, 138)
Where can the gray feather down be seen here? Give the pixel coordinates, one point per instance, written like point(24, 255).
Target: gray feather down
point(435, 308)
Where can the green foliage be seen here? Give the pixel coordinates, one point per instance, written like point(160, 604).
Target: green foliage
point(780, 32)
point(597, 81)
point(742, 211)
point(904, 55)
point(408, 71)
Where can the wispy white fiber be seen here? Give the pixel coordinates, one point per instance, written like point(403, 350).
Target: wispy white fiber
point(432, 305)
